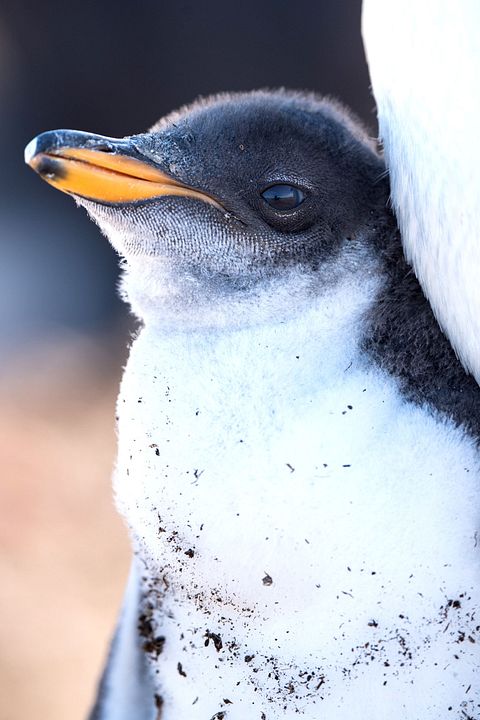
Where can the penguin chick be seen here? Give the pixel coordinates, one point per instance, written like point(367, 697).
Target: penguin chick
point(298, 460)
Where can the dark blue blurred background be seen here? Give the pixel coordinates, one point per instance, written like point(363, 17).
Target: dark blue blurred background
point(114, 68)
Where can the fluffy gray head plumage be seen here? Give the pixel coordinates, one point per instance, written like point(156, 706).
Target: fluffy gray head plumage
point(233, 147)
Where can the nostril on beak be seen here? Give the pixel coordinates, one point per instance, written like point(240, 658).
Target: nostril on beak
point(104, 148)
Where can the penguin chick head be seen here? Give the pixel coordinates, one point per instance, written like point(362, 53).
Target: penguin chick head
point(226, 196)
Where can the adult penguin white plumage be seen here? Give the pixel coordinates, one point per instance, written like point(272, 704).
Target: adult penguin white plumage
point(298, 445)
point(424, 62)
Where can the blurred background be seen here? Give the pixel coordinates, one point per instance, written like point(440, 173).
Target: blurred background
point(112, 68)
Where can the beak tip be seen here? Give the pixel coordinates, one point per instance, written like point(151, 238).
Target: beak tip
point(31, 151)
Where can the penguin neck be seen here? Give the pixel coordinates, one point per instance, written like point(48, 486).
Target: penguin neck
point(172, 301)
point(286, 336)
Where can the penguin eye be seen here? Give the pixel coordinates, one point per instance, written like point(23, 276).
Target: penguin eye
point(283, 197)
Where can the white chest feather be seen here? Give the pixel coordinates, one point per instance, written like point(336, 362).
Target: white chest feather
point(424, 62)
point(309, 538)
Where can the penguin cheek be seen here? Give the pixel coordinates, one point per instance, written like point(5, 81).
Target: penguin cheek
point(191, 236)
point(128, 228)
point(109, 221)
point(183, 232)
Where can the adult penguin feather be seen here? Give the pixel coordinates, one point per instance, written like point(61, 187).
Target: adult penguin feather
point(424, 63)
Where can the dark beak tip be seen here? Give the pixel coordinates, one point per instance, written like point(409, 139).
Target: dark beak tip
point(52, 140)
point(46, 166)
point(50, 168)
point(40, 144)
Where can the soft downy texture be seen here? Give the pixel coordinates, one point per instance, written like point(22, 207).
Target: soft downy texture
point(298, 548)
point(291, 510)
point(303, 510)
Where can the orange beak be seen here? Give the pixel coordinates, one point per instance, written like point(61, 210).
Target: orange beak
point(101, 169)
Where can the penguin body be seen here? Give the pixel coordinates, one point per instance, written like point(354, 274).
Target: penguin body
point(367, 542)
point(298, 444)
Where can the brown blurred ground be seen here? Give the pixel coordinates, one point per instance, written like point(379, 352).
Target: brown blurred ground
point(63, 550)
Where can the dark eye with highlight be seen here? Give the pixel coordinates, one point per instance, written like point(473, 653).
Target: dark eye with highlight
point(283, 197)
